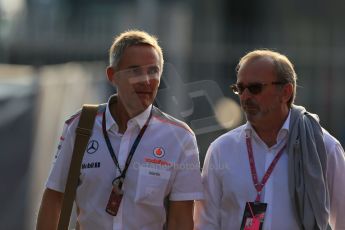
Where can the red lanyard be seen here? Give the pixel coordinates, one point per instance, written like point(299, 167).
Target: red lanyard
point(259, 186)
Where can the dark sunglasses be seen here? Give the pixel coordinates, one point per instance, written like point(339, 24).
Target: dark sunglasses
point(253, 88)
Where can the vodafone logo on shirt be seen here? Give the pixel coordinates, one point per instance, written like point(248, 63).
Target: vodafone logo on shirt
point(158, 152)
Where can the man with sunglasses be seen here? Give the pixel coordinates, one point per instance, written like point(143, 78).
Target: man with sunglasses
point(280, 170)
point(141, 167)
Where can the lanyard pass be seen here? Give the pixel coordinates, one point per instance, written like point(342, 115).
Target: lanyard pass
point(115, 197)
point(117, 191)
point(253, 216)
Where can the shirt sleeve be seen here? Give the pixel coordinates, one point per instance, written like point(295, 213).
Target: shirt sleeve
point(187, 183)
point(207, 213)
point(59, 171)
point(336, 185)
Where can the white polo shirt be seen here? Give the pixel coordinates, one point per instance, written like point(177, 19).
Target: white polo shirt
point(165, 166)
point(228, 183)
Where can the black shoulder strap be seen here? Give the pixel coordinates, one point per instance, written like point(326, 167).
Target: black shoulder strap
point(83, 133)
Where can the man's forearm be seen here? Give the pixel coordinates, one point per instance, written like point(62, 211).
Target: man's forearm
point(50, 209)
point(180, 216)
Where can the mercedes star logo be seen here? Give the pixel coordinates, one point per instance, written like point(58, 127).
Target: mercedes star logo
point(92, 147)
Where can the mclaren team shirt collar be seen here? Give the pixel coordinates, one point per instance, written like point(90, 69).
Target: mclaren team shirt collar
point(139, 120)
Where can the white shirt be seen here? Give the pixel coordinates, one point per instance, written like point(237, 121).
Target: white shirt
point(165, 166)
point(228, 183)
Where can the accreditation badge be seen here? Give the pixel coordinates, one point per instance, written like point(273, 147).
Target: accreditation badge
point(253, 216)
point(115, 198)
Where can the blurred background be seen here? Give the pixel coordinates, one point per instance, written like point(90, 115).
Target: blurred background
point(53, 55)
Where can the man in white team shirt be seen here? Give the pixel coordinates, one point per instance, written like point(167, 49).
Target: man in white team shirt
point(280, 170)
point(136, 153)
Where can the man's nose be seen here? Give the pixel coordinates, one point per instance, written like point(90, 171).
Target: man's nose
point(146, 79)
point(245, 94)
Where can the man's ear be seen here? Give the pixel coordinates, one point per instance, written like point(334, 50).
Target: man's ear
point(110, 74)
point(288, 90)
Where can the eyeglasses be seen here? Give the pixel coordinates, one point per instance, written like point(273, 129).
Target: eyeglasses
point(253, 88)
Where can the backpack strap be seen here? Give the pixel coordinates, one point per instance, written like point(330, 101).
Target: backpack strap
point(83, 134)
